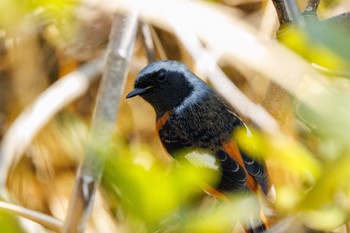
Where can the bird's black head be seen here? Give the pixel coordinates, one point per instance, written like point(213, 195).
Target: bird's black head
point(164, 84)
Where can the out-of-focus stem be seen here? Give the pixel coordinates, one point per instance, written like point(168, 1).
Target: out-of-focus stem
point(121, 42)
point(284, 16)
point(43, 219)
point(312, 6)
point(147, 41)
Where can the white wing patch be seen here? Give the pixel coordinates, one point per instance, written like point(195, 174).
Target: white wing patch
point(202, 159)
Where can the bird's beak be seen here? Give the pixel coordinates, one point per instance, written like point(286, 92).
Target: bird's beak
point(137, 91)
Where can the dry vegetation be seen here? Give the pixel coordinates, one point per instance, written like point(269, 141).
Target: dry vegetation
point(286, 74)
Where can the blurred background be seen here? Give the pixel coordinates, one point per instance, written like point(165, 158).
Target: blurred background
point(296, 98)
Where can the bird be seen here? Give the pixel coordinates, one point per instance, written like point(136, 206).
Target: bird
point(190, 114)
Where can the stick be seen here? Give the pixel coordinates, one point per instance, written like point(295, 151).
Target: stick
point(34, 117)
point(147, 41)
point(284, 15)
point(121, 42)
point(43, 219)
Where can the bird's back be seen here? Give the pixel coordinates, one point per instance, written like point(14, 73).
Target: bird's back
point(204, 121)
point(201, 121)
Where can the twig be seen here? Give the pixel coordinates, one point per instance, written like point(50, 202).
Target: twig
point(312, 6)
point(284, 16)
point(147, 41)
point(34, 117)
point(121, 42)
point(43, 219)
point(295, 12)
point(158, 45)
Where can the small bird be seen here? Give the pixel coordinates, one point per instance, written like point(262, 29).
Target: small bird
point(190, 114)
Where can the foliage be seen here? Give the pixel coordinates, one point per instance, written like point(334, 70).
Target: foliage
point(9, 223)
point(167, 197)
point(308, 159)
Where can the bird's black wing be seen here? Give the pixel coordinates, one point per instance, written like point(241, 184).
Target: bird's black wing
point(256, 168)
point(233, 177)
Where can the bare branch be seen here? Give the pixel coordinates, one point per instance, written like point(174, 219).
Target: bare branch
point(158, 45)
point(35, 116)
point(312, 6)
point(43, 219)
point(284, 16)
point(146, 34)
point(295, 12)
point(121, 42)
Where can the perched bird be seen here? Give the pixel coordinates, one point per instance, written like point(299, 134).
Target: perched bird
point(190, 114)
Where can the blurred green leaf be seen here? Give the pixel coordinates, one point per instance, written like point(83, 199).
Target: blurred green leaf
point(15, 16)
point(288, 197)
point(315, 51)
point(334, 179)
point(169, 197)
point(326, 199)
point(152, 191)
point(290, 154)
point(329, 114)
point(326, 219)
point(9, 224)
point(323, 42)
point(223, 216)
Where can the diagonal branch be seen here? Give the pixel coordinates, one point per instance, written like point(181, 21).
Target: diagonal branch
point(121, 42)
point(146, 35)
point(35, 117)
point(158, 44)
point(43, 219)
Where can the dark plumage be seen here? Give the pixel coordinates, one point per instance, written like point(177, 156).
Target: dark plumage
point(191, 115)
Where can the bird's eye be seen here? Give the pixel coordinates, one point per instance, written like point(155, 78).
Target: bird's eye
point(161, 76)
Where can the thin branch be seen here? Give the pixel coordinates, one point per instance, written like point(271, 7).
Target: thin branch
point(158, 45)
point(284, 15)
point(312, 6)
point(147, 41)
point(295, 12)
point(121, 42)
point(34, 117)
point(43, 219)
